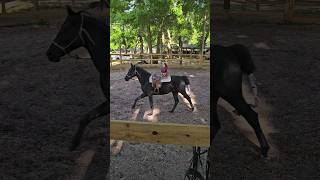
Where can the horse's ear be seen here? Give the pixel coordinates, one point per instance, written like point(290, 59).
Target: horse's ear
point(69, 10)
point(131, 64)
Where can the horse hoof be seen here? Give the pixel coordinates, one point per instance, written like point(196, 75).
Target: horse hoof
point(171, 111)
point(192, 109)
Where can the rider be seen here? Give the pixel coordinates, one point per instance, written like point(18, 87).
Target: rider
point(164, 70)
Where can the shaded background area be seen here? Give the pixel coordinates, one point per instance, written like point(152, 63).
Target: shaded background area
point(153, 161)
point(288, 63)
point(41, 103)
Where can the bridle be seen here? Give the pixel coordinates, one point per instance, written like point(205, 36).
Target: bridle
point(136, 72)
point(79, 36)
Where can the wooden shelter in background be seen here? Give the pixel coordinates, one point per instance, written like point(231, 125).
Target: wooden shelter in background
point(301, 11)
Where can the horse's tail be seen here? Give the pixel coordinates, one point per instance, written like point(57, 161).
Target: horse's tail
point(244, 58)
point(186, 80)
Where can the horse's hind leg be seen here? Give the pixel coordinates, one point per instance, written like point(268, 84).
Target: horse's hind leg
point(252, 118)
point(185, 95)
point(176, 101)
point(151, 105)
point(101, 110)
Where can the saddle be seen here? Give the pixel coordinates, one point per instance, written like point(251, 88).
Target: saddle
point(156, 80)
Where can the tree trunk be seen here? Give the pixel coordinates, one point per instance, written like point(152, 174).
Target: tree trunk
point(203, 36)
point(226, 4)
point(169, 44)
point(141, 44)
point(159, 42)
point(180, 48)
point(149, 39)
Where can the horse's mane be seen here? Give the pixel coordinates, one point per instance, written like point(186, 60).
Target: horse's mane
point(143, 70)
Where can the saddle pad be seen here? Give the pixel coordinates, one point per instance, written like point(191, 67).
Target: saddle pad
point(163, 79)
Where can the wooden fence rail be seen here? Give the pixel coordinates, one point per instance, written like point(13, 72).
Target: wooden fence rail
point(171, 58)
point(160, 133)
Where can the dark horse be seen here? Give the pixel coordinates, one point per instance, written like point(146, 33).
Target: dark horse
point(81, 30)
point(229, 63)
point(177, 85)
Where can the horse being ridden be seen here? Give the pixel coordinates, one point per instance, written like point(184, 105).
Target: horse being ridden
point(177, 85)
point(81, 30)
point(229, 63)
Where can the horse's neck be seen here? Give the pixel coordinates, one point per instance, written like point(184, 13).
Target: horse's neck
point(143, 76)
point(99, 49)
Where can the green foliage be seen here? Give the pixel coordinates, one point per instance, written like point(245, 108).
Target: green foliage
point(169, 20)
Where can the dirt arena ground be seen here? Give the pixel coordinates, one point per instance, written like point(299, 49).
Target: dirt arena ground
point(40, 106)
point(151, 161)
point(288, 63)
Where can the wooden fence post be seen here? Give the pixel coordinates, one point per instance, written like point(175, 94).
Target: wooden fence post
point(289, 10)
point(258, 5)
point(226, 4)
point(3, 4)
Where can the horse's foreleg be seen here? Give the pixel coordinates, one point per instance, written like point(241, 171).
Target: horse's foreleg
point(101, 110)
point(137, 99)
point(176, 101)
point(151, 104)
point(252, 118)
point(214, 123)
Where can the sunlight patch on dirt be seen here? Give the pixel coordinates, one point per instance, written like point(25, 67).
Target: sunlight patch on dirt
point(152, 118)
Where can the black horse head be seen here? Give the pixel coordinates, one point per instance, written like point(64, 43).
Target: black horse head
point(131, 73)
point(69, 36)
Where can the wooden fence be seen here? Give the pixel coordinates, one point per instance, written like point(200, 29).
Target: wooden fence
point(160, 133)
point(152, 58)
point(37, 4)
